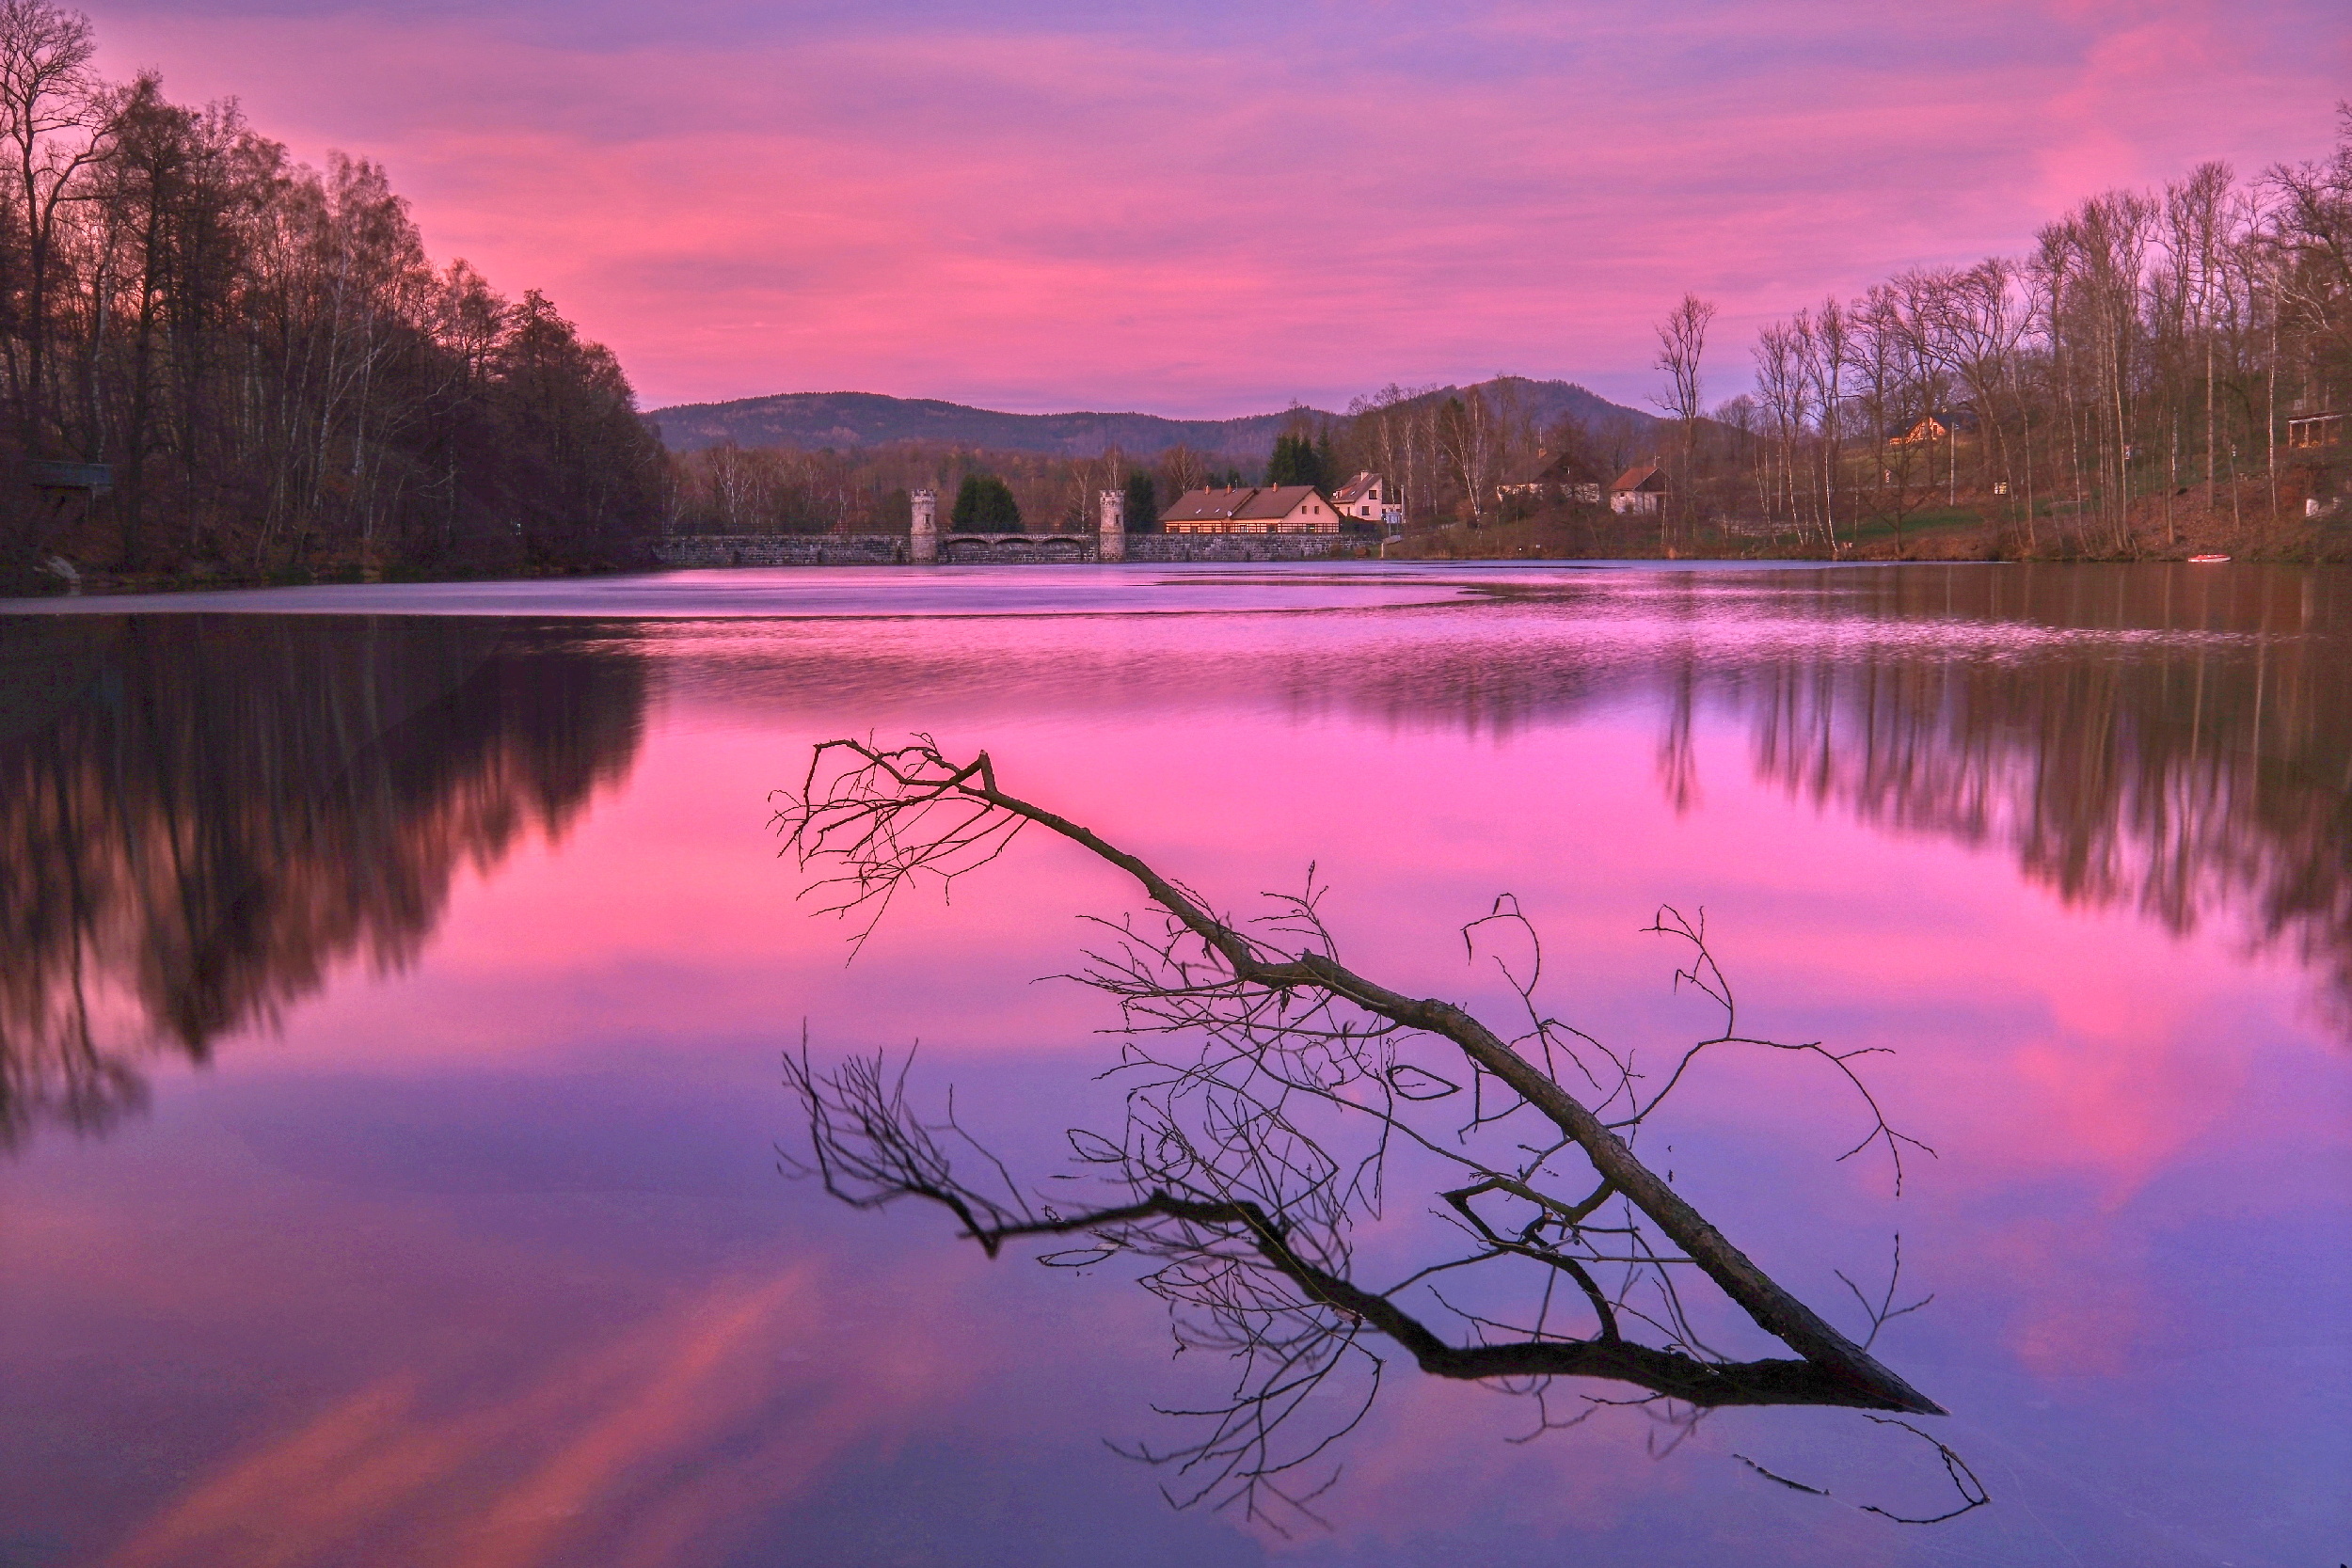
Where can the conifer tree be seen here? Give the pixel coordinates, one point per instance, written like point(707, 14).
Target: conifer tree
point(1296, 461)
point(1143, 503)
point(984, 504)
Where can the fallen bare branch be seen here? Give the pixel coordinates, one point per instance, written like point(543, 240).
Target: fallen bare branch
point(1251, 1051)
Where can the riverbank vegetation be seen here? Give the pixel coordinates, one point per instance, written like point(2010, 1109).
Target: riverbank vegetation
point(219, 364)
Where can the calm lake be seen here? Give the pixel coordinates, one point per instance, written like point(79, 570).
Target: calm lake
point(393, 983)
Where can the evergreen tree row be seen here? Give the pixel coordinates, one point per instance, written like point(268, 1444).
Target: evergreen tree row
point(1299, 460)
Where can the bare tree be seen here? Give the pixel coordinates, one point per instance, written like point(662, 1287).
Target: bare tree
point(1395, 430)
point(1824, 337)
point(1787, 402)
point(1891, 400)
point(1681, 346)
point(1181, 469)
point(1471, 433)
point(54, 118)
point(2309, 240)
point(1977, 326)
point(1275, 1098)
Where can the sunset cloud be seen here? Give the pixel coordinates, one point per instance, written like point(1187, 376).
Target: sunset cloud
point(1213, 209)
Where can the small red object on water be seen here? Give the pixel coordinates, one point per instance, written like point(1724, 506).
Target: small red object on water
point(2207, 558)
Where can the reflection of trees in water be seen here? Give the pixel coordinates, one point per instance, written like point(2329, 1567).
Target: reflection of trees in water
point(2184, 776)
point(2173, 738)
point(200, 815)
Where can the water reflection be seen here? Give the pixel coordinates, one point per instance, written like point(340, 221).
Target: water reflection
point(2191, 760)
point(492, 1265)
point(2166, 739)
point(2169, 738)
point(201, 815)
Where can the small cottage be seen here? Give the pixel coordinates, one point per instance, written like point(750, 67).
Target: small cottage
point(1564, 478)
point(1639, 489)
point(2315, 430)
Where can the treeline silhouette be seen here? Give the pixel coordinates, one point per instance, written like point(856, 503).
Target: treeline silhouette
point(2155, 374)
point(280, 382)
point(202, 815)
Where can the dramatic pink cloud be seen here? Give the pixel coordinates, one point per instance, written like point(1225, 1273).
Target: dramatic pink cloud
point(1212, 208)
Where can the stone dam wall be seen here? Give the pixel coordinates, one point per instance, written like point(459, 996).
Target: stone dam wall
point(889, 550)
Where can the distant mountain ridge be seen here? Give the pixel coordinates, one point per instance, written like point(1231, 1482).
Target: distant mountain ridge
point(813, 421)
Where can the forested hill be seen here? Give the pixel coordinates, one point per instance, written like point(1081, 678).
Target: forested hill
point(813, 420)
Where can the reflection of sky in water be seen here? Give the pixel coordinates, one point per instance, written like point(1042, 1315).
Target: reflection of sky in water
point(482, 1258)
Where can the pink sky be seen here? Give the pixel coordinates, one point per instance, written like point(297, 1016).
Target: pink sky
point(1211, 208)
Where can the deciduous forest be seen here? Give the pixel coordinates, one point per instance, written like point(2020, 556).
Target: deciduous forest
point(2164, 369)
point(278, 383)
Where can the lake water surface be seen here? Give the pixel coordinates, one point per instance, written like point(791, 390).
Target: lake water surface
point(392, 984)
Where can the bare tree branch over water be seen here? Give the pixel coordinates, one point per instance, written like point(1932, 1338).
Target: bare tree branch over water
point(1273, 1097)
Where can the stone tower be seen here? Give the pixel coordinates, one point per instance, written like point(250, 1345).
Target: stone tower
point(923, 532)
point(1111, 542)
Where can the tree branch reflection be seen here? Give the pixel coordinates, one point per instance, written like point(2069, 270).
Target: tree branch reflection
point(1273, 1099)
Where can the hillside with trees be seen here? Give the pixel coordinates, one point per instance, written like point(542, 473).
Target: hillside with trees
point(2166, 372)
point(1444, 448)
point(845, 421)
point(217, 363)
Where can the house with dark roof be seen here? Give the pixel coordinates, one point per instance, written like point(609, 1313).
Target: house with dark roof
point(1263, 509)
point(2315, 430)
point(1641, 488)
point(1564, 478)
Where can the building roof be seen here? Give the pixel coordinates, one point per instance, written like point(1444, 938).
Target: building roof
point(1246, 503)
point(1641, 476)
point(1355, 489)
point(1556, 469)
point(1962, 420)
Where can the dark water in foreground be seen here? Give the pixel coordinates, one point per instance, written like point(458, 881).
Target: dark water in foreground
point(391, 997)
